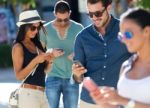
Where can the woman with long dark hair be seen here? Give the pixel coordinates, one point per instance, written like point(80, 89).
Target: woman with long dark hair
point(28, 55)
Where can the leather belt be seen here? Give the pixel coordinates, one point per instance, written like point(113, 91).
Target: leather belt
point(35, 87)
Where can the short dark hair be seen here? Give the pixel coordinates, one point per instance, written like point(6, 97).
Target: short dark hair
point(61, 7)
point(105, 3)
point(138, 15)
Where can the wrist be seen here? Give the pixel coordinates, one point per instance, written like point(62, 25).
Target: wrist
point(78, 79)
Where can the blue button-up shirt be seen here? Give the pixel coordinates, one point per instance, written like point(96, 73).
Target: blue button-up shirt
point(102, 56)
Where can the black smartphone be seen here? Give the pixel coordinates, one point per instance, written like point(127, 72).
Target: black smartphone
point(77, 62)
point(59, 49)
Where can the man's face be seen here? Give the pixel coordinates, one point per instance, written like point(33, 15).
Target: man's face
point(98, 14)
point(62, 18)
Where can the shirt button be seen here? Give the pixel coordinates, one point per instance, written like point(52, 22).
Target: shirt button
point(105, 55)
point(103, 78)
point(104, 66)
point(105, 44)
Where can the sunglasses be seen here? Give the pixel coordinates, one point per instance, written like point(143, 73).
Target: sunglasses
point(33, 28)
point(127, 35)
point(62, 20)
point(97, 13)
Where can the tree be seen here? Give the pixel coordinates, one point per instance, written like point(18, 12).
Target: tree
point(144, 4)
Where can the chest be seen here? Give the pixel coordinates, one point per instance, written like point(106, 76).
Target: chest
point(139, 71)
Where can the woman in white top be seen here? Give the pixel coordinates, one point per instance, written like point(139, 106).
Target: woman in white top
point(134, 83)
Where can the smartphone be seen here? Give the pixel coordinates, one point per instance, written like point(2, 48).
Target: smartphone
point(77, 62)
point(59, 49)
point(49, 50)
point(90, 85)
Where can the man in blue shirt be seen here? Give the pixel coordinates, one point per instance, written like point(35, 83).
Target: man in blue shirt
point(99, 50)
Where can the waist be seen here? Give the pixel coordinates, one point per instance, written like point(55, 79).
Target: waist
point(35, 87)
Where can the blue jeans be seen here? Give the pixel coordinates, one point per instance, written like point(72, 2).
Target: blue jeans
point(55, 86)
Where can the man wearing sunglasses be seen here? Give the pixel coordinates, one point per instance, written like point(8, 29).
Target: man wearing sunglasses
point(99, 50)
point(61, 35)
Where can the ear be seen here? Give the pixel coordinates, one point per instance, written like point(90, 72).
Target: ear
point(109, 7)
point(147, 31)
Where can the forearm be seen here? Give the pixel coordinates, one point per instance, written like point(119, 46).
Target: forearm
point(24, 72)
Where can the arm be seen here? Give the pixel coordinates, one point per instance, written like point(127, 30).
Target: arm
point(112, 97)
point(78, 71)
point(21, 73)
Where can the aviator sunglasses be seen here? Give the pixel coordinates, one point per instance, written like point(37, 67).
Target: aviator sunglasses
point(62, 20)
point(97, 13)
point(127, 35)
point(33, 28)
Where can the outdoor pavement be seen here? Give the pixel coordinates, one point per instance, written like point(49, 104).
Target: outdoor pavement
point(8, 83)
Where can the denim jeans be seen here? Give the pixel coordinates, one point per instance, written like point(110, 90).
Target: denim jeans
point(56, 86)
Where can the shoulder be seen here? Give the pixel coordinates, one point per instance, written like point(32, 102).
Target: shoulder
point(76, 24)
point(86, 30)
point(128, 63)
point(48, 23)
point(17, 47)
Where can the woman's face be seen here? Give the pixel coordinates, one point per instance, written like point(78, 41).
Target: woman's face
point(132, 35)
point(32, 30)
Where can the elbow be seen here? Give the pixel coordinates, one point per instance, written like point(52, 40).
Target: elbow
point(19, 77)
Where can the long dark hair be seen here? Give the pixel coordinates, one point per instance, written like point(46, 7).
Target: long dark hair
point(21, 36)
point(138, 15)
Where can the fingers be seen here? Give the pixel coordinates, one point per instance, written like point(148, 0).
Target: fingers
point(57, 53)
point(78, 70)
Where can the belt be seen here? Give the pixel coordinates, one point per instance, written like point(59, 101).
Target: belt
point(35, 87)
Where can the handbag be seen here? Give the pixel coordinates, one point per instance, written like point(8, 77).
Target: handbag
point(14, 96)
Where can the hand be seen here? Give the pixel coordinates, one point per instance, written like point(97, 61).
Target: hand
point(78, 71)
point(57, 53)
point(70, 56)
point(50, 57)
point(108, 96)
point(41, 57)
point(111, 96)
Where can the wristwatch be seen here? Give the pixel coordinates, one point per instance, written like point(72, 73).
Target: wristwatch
point(131, 104)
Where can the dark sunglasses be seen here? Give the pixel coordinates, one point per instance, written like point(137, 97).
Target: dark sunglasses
point(62, 20)
point(127, 35)
point(97, 13)
point(33, 28)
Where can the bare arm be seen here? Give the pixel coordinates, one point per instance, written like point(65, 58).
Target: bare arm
point(17, 58)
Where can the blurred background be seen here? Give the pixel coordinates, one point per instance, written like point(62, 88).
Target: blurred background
point(9, 11)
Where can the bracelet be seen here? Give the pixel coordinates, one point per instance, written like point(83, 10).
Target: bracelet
point(130, 104)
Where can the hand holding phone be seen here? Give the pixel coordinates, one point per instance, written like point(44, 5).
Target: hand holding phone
point(77, 62)
point(90, 85)
point(49, 50)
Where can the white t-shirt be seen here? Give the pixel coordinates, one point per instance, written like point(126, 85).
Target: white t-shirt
point(139, 89)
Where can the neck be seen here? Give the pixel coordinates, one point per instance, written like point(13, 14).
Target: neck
point(144, 55)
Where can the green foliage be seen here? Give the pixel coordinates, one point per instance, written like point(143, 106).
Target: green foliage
point(14, 2)
point(5, 55)
point(144, 4)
